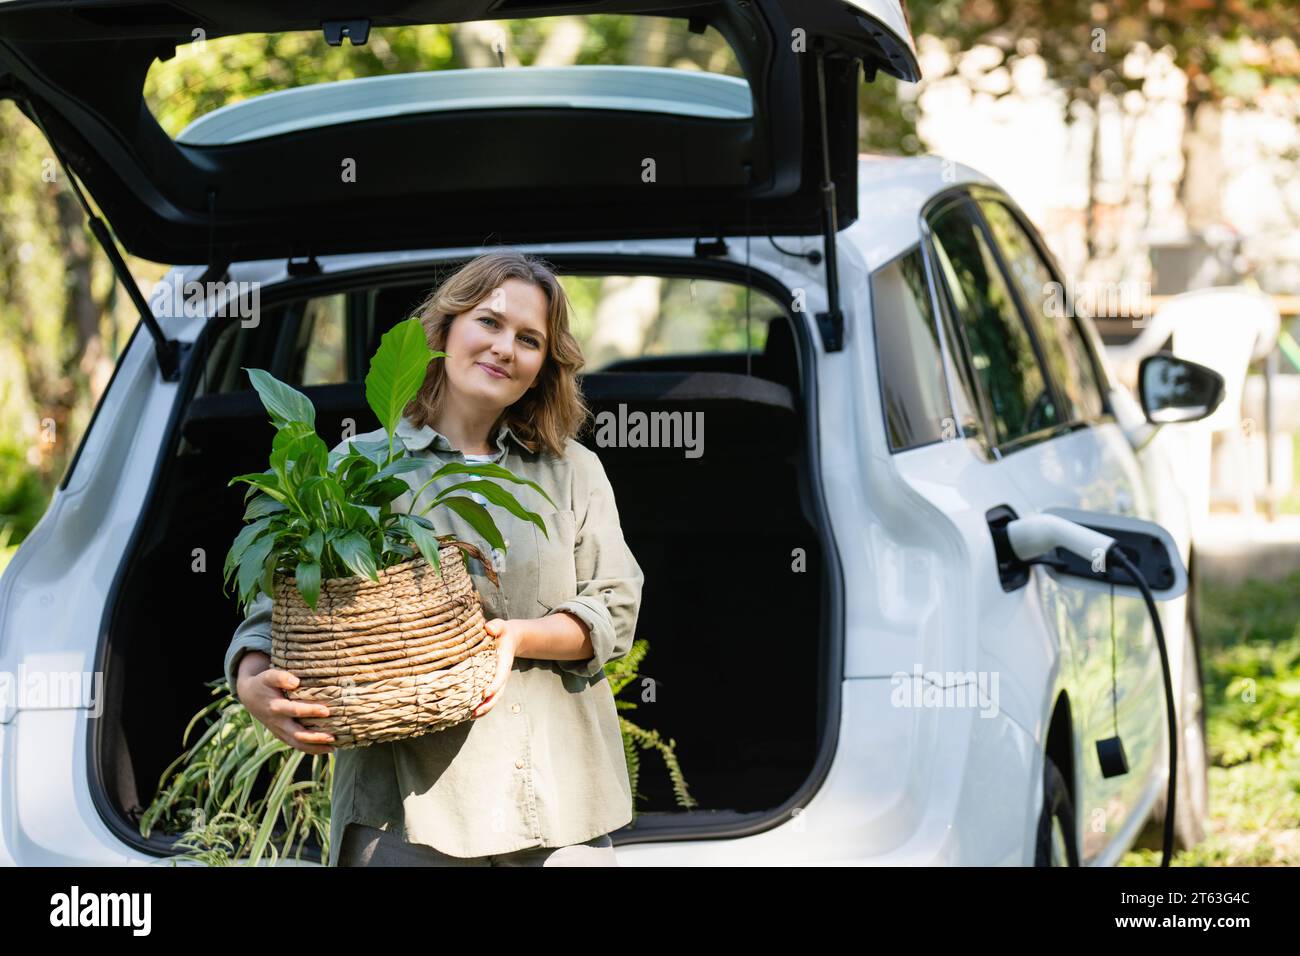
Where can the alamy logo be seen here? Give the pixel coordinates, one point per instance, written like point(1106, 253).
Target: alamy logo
point(186, 299)
point(102, 909)
point(51, 690)
point(653, 430)
point(946, 689)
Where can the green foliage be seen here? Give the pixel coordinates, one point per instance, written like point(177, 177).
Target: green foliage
point(23, 496)
point(216, 72)
point(1252, 674)
point(1250, 647)
point(316, 514)
point(620, 674)
point(207, 796)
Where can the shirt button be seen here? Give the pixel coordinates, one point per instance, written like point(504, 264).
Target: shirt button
point(519, 764)
point(514, 708)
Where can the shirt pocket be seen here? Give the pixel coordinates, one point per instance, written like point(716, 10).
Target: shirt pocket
point(557, 574)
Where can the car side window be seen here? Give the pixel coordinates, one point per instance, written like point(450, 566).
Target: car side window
point(1064, 350)
point(1001, 351)
point(913, 383)
point(322, 341)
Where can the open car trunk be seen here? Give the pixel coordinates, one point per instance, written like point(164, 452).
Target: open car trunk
point(274, 191)
point(737, 639)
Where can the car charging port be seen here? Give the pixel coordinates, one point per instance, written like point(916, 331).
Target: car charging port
point(1012, 572)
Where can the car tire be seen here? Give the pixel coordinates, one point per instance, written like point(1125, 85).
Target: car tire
point(1055, 844)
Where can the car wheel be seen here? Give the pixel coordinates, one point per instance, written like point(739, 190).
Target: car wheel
point(1055, 845)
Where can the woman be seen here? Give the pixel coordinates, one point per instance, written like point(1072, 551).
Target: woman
point(538, 777)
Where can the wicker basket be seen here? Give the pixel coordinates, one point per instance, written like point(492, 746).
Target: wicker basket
point(405, 656)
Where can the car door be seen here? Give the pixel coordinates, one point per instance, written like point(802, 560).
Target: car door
point(1030, 435)
point(1081, 459)
point(934, 393)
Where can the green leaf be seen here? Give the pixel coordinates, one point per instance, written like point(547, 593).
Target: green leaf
point(376, 449)
point(246, 536)
point(308, 579)
point(383, 492)
point(323, 498)
point(354, 551)
point(263, 504)
point(296, 440)
point(265, 481)
point(498, 496)
point(354, 472)
point(399, 466)
point(252, 561)
point(393, 545)
point(397, 371)
point(268, 572)
point(313, 544)
point(478, 519)
point(356, 513)
point(424, 540)
point(308, 458)
point(488, 469)
point(285, 403)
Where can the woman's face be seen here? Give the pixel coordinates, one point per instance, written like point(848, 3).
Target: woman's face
point(496, 349)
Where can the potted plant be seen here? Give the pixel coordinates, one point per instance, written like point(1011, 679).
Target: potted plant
point(374, 612)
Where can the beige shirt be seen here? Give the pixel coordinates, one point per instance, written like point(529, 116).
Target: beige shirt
point(545, 766)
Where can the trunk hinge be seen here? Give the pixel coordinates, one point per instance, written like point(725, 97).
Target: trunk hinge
point(167, 350)
point(831, 322)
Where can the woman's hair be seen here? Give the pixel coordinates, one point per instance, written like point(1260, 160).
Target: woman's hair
point(550, 412)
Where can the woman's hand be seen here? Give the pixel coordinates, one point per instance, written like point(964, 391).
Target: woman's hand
point(508, 635)
point(262, 692)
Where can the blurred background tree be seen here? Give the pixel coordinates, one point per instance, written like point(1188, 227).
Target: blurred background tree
point(63, 321)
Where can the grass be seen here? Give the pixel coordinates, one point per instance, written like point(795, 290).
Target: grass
point(1250, 637)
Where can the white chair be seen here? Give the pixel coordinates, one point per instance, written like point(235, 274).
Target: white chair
point(1225, 329)
point(1125, 359)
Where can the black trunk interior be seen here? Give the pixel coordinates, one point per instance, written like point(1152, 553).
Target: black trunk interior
point(735, 636)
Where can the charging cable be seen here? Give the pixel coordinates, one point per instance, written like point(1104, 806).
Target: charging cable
point(1033, 538)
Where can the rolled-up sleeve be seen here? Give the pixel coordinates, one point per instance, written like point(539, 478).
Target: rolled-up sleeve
point(609, 577)
point(253, 634)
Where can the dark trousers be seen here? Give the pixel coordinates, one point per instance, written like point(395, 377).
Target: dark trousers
point(369, 846)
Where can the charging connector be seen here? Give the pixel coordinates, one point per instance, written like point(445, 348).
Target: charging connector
point(1031, 540)
point(1036, 535)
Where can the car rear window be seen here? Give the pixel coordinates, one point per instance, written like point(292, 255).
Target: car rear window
point(913, 382)
point(622, 323)
point(207, 75)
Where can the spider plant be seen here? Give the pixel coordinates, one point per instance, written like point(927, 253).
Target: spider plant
point(316, 514)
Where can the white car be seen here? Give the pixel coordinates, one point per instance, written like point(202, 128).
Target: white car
point(877, 382)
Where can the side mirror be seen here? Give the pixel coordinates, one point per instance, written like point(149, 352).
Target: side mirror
point(1176, 390)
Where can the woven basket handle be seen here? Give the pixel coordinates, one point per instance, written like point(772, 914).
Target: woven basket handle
point(473, 552)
